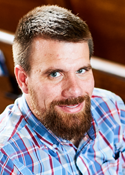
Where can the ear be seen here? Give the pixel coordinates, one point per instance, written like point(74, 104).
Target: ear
point(21, 78)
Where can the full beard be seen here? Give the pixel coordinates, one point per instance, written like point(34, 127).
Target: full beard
point(64, 125)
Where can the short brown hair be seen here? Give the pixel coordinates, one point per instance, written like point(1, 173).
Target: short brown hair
point(49, 22)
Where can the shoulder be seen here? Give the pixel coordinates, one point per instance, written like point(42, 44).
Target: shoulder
point(107, 107)
point(10, 121)
point(106, 96)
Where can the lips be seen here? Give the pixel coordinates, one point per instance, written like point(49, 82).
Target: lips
point(71, 108)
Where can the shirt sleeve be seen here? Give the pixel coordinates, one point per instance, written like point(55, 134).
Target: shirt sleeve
point(121, 110)
point(6, 165)
point(12, 167)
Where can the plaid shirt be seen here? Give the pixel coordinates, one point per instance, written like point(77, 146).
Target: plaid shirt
point(27, 147)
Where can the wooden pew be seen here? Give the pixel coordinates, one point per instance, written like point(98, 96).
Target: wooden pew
point(106, 20)
point(6, 40)
point(12, 10)
point(8, 86)
point(108, 75)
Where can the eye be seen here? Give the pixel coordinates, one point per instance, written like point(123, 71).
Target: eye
point(81, 71)
point(55, 74)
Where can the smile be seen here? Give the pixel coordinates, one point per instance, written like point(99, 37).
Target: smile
point(71, 108)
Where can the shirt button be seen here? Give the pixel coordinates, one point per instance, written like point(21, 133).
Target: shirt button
point(54, 146)
point(65, 141)
point(85, 138)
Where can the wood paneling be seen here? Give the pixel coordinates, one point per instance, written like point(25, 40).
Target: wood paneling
point(106, 20)
point(12, 10)
point(110, 82)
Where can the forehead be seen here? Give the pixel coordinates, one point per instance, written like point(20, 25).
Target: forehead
point(51, 52)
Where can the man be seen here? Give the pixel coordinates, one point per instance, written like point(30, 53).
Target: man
point(61, 125)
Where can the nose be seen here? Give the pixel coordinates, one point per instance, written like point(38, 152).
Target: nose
point(71, 88)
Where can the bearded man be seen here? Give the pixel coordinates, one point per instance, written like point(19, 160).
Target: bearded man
point(61, 125)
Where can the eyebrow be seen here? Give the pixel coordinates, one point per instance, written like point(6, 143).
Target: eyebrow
point(86, 67)
point(50, 70)
point(53, 69)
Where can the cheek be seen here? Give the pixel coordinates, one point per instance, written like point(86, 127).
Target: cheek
point(88, 85)
point(91, 84)
point(50, 93)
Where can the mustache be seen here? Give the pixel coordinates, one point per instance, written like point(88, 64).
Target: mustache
point(70, 101)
